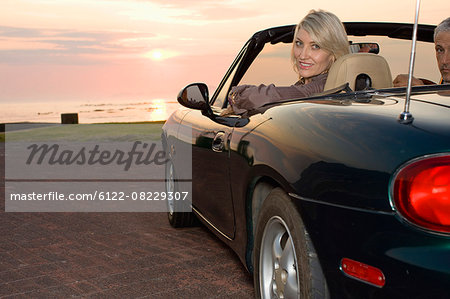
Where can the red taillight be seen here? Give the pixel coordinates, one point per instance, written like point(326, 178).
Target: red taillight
point(363, 272)
point(422, 193)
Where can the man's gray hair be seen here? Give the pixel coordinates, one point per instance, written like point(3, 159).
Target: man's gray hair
point(443, 26)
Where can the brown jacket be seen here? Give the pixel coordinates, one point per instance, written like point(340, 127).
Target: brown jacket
point(249, 97)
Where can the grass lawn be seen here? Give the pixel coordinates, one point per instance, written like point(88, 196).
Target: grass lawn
point(84, 132)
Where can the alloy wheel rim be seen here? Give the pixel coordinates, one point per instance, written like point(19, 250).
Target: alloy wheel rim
point(170, 187)
point(278, 262)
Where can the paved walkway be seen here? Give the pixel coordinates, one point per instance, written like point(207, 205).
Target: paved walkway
point(113, 255)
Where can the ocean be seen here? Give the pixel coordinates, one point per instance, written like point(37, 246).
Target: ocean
point(88, 112)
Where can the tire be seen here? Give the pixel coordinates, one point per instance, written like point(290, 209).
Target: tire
point(285, 262)
point(176, 219)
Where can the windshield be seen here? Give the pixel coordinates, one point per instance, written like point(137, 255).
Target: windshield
point(273, 64)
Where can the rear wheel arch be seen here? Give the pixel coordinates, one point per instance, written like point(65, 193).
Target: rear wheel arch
point(261, 180)
point(258, 191)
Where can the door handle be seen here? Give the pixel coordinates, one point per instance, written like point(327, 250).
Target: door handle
point(219, 142)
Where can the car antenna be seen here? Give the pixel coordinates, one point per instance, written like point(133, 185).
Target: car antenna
point(406, 116)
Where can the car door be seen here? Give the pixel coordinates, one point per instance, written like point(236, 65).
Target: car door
point(210, 135)
point(211, 192)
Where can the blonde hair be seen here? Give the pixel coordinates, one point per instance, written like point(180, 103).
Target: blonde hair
point(326, 30)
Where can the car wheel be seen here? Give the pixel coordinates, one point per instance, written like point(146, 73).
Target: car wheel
point(176, 219)
point(285, 263)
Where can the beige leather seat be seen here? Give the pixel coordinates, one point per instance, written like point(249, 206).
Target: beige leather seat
point(347, 68)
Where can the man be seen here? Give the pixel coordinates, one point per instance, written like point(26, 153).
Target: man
point(442, 47)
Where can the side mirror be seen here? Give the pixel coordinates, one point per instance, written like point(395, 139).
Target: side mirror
point(195, 96)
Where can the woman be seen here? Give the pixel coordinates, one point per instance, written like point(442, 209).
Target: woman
point(319, 39)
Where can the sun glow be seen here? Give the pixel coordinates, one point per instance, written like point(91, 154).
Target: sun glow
point(159, 54)
point(156, 55)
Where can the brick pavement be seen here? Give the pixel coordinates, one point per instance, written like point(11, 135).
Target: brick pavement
point(113, 255)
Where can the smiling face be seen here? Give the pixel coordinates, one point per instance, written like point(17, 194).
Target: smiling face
point(442, 46)
point(310, 59)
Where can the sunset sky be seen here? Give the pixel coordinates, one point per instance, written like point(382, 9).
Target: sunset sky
point(53, 50)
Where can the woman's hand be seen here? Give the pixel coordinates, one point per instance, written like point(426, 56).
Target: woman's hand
point(235, 92)
point(228, 111)
point(232, 98)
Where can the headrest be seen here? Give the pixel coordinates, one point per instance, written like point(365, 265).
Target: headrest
point(347, 68)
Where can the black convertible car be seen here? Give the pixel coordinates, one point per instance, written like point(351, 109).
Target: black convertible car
point(332, 196)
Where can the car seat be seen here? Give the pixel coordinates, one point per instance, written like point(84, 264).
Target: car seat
point(361, 71)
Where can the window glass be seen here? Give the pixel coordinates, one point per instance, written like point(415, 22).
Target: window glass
point(223, 93)
point(220, 95)
point(273, 65)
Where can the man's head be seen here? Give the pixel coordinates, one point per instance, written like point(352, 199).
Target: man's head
point(442, 46)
